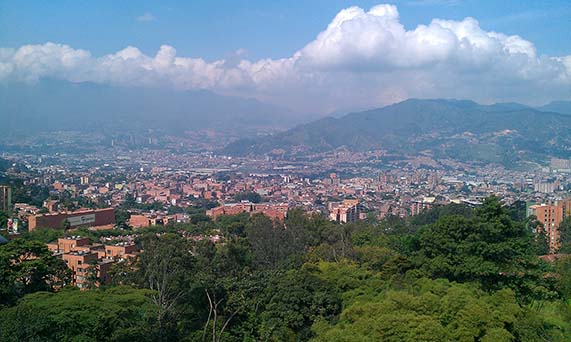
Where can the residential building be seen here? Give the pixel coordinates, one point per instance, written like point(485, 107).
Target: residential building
point(344, 212)
point(550, 217)
point(5, 198)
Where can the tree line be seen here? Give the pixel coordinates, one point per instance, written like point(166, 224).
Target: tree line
point(451, 274)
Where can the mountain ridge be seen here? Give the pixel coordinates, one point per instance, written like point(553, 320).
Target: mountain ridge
point(563, 107)
point(56, 105)
point(414, 125)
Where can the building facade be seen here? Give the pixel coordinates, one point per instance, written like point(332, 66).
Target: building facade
point(344, 212)
point(550, 217)
point(76, 219)
point(5, 198)
point(90, 264)
point(272, 210)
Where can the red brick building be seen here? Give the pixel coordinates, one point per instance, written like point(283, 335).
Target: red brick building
point(76, 219)
point(83, 258)
point(274, 211)
point(550, 217)
point(345, 212)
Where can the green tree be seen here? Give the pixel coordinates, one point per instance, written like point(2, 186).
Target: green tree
point(433, 310)
point(253, 197)
point(91, 276)
point(563, 272)
point(116, 314)
point(27, 267)
point(540, 242)
point(121, 218)
point(271, 242)
point(296, 300)
point(4, 219)
point(490, 249)
point(165, 267)
point(65, 225)
point(44, 235)
point(565, 236)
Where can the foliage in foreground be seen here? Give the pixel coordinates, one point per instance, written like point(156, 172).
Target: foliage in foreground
point(453, 274)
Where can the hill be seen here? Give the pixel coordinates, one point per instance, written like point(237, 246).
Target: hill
point(59, 105)
point(464, 130)
point(563, 107)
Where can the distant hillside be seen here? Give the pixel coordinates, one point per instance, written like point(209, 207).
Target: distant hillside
point(563, 107)
point(58, 105)
point(463, 130)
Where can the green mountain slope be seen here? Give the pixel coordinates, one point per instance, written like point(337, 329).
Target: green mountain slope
point(448, 128)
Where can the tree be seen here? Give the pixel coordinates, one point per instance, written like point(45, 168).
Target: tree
point(121, 218)
point(540, 240)
point(305, 231)
point(27, 267)
point(116, 314)
point(490, 249)
point(432, 310)
point(164, 267)
point(432, 215)
point(565, 236)
point(296, 300)
point(4, 219)
point(271, 243)
point(65, 225)
point(91, 276)
point(250, 196)
point(44, 235)
point(336, 243)
point(563, 271)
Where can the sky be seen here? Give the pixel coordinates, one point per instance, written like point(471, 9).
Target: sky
point(310, 56)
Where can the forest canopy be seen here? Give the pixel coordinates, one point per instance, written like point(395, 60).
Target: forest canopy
point(450, 274)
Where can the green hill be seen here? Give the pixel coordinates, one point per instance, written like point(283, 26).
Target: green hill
point(449, 128)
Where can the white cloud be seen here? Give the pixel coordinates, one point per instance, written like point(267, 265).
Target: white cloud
point(362, 59)
point(148, 16)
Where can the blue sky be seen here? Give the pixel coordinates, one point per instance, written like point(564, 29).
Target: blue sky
point(266, 29)
point(310, 56)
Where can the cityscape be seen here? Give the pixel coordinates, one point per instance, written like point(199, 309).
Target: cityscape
point(394, 179)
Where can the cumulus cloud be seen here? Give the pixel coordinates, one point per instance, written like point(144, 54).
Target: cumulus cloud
point(361, 59)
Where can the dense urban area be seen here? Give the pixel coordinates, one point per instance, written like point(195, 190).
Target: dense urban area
point(198, 246)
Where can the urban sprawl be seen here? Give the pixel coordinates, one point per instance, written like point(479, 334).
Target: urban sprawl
point(161, 188)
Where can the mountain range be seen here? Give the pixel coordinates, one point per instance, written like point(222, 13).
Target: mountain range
point(465, 130)
point(58, 105)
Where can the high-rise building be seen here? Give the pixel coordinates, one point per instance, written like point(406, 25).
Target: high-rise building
point(418, 206)
point(84, 180)
point(344, 212)
point(5, 198)
point(560, 164)
point(550, 217)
